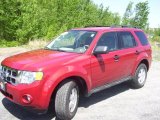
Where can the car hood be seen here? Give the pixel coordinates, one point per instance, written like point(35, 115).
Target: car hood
point(37, 60)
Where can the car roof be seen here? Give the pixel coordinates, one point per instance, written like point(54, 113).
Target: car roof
point(108, 29)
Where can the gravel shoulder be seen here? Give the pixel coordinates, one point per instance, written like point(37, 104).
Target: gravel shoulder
point(5, 52)
point(119, 102)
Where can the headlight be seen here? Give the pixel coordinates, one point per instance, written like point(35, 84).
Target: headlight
point(0, 71)
point(29, 77)
point(0, 67)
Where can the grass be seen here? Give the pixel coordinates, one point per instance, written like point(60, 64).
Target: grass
point(36, 44)
point(5, 43)
point(32, 44)
point(155, 51)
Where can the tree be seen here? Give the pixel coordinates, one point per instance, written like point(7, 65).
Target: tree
point(23, 20)
point(128, 14)
point(141, 15)
point(137, 16)
point(9, 18)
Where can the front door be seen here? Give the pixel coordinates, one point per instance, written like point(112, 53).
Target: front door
point(106, 67)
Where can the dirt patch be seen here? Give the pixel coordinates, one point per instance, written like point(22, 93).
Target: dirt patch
point(5, 52)
point(156, 55)
point(11, 50)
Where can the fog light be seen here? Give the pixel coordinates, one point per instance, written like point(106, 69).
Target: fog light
point(27, 99)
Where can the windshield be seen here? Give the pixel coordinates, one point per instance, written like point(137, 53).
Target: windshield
point(77, 41)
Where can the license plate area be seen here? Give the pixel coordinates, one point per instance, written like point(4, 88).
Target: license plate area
point(2, 85)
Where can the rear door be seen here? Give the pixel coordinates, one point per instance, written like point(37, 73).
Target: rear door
point(127, 53)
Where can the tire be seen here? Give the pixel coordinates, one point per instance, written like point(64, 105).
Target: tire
point(140, 76)
point(66, 100)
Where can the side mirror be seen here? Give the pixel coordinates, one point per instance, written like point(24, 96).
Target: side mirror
point(101, 50)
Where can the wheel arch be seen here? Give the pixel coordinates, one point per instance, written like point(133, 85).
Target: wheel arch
point(80, 82)
point(144, 61)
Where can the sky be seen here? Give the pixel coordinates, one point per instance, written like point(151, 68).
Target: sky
point(119, 6)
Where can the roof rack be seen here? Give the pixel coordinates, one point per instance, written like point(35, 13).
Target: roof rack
point(126, 26)
point(112, 26)
point(96, 26)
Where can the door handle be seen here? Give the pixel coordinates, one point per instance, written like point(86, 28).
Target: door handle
point(137, 52)
point(116, 58)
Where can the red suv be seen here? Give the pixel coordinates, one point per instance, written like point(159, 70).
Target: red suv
point(78, 62)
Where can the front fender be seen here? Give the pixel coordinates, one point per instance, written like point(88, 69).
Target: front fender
point(51, 82)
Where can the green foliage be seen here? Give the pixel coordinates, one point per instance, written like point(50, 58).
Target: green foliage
point(138, 16)
point(9, 18)
point(24, 20)
point(156, 38)
point(156, 35)
point(141, 15)
point(5, 43)
point(157, 32)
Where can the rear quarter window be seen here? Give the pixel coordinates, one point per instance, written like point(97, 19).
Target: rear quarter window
point(142, 37)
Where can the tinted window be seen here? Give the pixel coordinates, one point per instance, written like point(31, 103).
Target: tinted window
point(109, 40)
point(142, 37)
point(126, 40)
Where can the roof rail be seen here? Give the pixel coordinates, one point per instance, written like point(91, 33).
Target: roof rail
point(112, 26)
point(96, 26)
point(126, 26)
point(123, 26)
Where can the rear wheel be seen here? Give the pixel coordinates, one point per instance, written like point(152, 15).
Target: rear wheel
point(66, 101)
point(140, 76)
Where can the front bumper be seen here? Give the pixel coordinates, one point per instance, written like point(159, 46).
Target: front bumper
point(29, 96)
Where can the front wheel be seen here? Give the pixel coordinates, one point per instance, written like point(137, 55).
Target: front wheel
point(140, 76)
point(66, 101)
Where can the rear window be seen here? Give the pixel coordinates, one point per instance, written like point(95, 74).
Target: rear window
point(126, 40)
point(142, 37)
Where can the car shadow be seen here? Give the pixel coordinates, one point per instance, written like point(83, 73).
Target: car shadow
point(103, 95)
point(21, 113)
point(24, 114)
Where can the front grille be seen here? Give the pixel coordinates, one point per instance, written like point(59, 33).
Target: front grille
point(8, 74)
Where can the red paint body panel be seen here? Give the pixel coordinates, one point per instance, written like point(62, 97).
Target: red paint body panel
point(57, 66)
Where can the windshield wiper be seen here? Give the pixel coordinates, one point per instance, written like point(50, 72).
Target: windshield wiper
point(47, 48)
point(59, 49)
point(55, 49)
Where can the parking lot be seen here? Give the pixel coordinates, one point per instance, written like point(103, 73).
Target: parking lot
point(117, 103)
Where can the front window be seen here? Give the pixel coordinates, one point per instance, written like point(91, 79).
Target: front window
point(77, 41)
point(108, 39)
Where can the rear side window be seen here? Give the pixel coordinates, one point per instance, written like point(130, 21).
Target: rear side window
point(142, 37)
point(126, 40)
